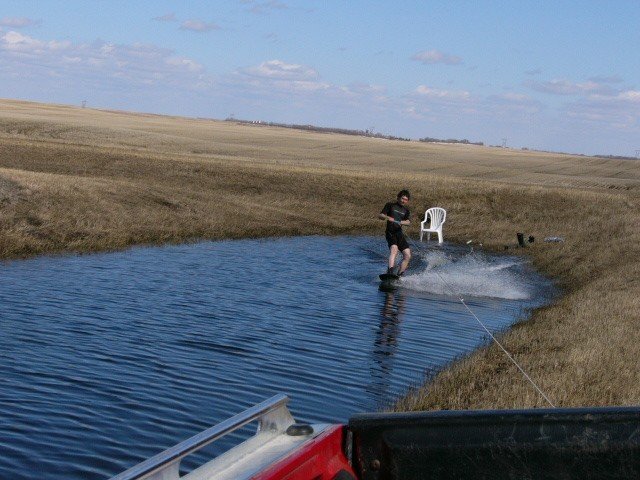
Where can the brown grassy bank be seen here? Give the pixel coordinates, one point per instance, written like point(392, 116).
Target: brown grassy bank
point(83, 180)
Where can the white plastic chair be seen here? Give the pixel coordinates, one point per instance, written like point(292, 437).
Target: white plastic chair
point(437, 217)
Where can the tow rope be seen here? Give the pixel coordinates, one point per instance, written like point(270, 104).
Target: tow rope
point(455, 294)
point(498, 343)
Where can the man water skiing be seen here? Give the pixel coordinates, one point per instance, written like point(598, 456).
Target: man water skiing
point(397, 214)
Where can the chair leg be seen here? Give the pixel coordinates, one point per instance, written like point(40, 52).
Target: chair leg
point(440, 239)
point(421, 234)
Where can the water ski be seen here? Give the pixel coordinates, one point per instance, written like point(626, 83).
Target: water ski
point(389, 282)
point(389, 277)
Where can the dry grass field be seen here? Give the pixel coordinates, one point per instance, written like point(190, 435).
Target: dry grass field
point(84, 180)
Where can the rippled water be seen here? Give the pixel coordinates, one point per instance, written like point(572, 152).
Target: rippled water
point(107, 359)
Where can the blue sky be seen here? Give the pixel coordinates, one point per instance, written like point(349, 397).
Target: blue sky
point(551, 75)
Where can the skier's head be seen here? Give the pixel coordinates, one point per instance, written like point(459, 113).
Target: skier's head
point(403, 197)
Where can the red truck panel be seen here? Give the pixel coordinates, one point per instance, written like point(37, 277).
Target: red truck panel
point(320, 459)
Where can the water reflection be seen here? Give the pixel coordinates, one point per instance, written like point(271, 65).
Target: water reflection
point(385, 345)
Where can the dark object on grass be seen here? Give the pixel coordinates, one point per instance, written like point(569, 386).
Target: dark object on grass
point(520, 239)
point(532, 239)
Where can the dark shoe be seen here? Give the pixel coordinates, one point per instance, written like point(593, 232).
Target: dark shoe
point(390, 271)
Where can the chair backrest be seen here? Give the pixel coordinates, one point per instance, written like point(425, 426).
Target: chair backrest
point(438, 216)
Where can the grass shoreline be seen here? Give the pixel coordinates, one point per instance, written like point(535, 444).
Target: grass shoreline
point(74, 180)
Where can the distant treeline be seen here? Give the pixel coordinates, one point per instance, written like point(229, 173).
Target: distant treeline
point(617, 157)
point(611, 157)
point(313, 128)
point(449, 140)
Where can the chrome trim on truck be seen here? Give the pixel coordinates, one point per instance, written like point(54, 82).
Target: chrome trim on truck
point(272, 416)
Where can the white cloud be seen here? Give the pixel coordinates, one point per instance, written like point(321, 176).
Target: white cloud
point(273, 84)
point(445, 108)
point(429, 57)
point(189, 64)
point(435, 93)
point(565, 87)
point(596, 102)
point(277, 69)
point(621, 110)
point(198, 26)
point(17, 42)
point(18, 22)
point(432, 104)
point(135, 64)
point(630, 96)
point(276, 80)
point(363, 95)
point(302, 86)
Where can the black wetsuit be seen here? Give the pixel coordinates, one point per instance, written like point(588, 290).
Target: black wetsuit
point(394, 233)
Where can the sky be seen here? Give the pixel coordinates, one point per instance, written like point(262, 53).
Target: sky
point(547, 75)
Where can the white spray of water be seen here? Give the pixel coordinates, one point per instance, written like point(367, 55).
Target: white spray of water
point(471, 274)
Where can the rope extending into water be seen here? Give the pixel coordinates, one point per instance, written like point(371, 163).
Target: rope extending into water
point(539, 390)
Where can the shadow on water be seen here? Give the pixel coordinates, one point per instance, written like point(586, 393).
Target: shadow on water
point(107, 359)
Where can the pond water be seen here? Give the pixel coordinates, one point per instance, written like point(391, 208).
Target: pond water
point(108, 359)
